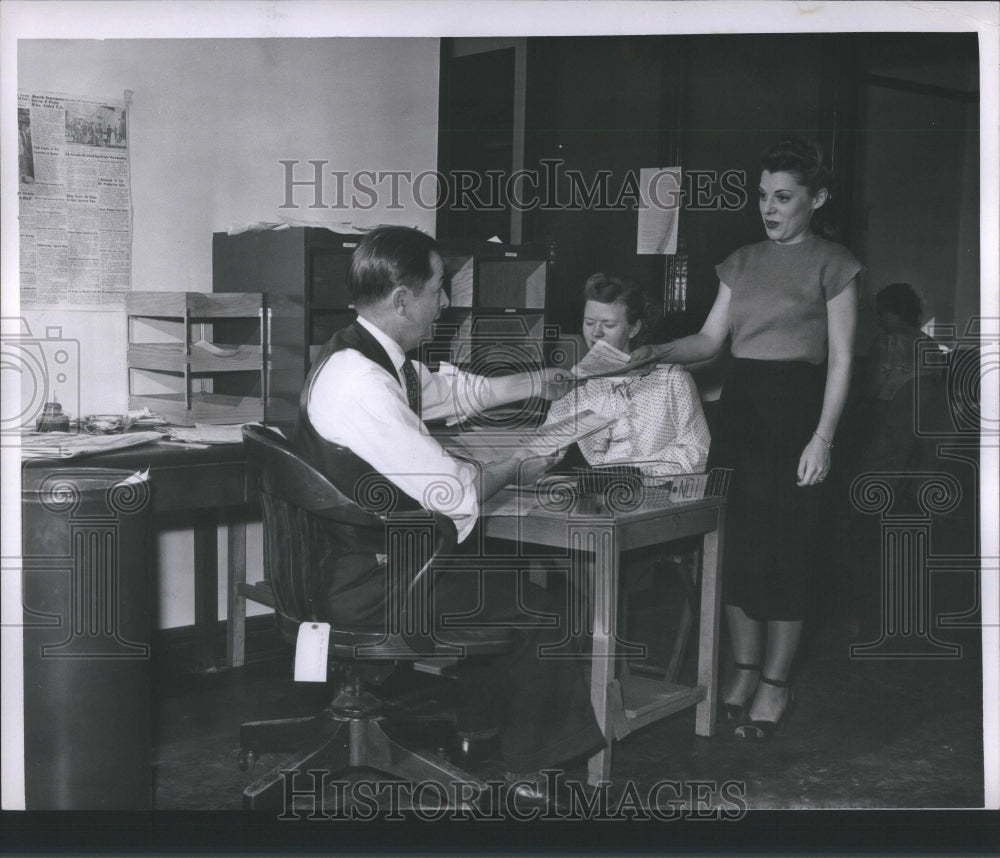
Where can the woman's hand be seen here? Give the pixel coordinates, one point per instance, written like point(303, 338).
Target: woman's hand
point(643, 353)
point(814, 463)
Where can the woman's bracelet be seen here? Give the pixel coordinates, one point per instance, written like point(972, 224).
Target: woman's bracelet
point(829, 444)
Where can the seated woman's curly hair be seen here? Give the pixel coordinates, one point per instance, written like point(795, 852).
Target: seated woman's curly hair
point(610, 289)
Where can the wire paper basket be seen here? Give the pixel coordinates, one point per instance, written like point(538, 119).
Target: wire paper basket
point(622, 488)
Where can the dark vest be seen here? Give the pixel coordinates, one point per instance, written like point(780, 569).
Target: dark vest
point(346, 470)
point(354, 580)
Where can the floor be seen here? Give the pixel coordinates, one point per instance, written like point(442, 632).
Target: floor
point(866, 732)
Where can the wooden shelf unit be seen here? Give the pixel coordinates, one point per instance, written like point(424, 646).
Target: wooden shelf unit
point(221, 339)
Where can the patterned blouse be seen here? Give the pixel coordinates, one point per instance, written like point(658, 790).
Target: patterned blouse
point(659, 425)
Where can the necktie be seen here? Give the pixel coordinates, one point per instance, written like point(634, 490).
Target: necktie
point(412, 386)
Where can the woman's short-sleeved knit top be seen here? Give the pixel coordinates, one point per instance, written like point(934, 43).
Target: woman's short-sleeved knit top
point(777, 309)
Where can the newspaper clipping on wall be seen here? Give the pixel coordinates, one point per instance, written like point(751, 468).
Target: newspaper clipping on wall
point(74, 200)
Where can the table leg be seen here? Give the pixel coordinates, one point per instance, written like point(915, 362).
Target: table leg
point(601, 543)
point(206, 587)
point(708, 630)
point(236, 576)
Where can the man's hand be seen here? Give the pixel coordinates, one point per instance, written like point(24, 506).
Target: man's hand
point(532, 466)
point(556, 383)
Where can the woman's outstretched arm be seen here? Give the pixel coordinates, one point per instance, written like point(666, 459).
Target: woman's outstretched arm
point(707, 343)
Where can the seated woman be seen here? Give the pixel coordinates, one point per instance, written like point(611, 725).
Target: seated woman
point(659, 423)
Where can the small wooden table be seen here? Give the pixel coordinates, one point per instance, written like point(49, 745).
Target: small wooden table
point(213, 483)
point(622, 701)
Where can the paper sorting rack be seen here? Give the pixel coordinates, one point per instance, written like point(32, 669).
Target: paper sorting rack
point(210, 359)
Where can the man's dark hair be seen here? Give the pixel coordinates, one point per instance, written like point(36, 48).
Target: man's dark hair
point(388, 257)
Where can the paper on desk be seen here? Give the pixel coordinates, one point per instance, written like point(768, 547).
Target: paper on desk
point(145, 417)
point(493, 445)
point(659, 192)
point(66, 445)
point(205, 433)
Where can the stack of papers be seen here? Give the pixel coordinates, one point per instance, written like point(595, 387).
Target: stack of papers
point(206, 433)
point(66, 445)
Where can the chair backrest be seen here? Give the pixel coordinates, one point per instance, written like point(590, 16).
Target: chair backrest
point(326, 557)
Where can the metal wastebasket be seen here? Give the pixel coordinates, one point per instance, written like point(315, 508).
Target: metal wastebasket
point(87, 625)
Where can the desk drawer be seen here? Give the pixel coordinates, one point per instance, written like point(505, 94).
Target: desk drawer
point(203, 487)
point(682, 523)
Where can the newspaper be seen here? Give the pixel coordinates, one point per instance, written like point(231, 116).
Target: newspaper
point(602, 358)
point(604, 361)
point(491, 445)
point(74, 200)
point(205, 433)
point(68, 445)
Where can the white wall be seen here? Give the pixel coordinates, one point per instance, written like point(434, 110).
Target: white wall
point(209, 122)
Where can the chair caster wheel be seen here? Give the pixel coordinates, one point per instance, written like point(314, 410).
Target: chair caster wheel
point(247, 760)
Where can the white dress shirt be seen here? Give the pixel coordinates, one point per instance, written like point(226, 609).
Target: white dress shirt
point(353, 402)
point(659, 423)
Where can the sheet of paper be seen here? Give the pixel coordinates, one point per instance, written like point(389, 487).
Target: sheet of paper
point(658, 214)
point(491, 445)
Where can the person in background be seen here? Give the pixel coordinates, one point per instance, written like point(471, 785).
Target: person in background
point(789, 305)
point(893, 359)
point(363, 394)
point(659, 425)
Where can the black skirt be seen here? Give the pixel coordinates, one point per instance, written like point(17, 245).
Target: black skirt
point(767, 414)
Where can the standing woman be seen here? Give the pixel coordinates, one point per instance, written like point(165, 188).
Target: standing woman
point(789, 304)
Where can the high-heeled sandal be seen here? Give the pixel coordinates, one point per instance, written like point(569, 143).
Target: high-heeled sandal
point(765, 731)
point(736, 713)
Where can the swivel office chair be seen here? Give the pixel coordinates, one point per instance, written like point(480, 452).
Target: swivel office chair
point(310, 525)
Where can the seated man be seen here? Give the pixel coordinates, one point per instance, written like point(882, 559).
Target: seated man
point(660, 426)
point(364, 395)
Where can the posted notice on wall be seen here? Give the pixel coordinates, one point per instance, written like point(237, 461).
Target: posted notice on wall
point(658, 214)
point(74, 200)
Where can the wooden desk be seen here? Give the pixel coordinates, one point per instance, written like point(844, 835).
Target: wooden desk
point(624, 702)
point(213, 482)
